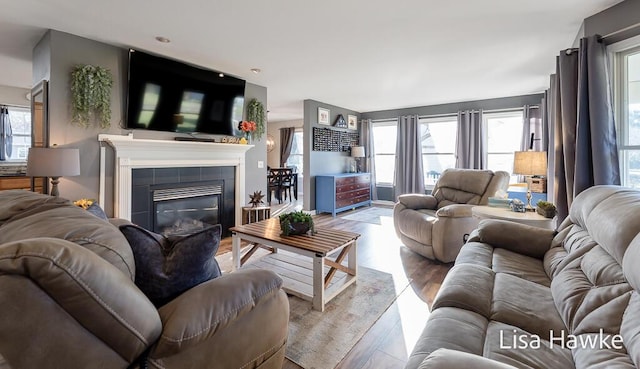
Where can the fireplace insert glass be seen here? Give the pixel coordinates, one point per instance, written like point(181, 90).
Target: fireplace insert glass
point(186, 215)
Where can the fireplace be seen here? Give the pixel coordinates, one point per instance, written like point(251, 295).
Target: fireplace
point(180, 201)
point(185, 210)
point(161, 163)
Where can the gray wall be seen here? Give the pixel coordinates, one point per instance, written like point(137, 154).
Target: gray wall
point(386, 193)
point(614, 20)
point(54, 57)
point(320, 162)
point(488, 104)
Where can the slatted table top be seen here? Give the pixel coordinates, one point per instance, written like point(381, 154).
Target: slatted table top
point(324, 241)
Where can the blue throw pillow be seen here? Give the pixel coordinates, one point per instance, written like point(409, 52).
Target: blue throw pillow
point(96, 210)
point(168, 266)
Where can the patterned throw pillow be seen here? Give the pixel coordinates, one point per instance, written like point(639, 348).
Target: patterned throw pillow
point(168, 266)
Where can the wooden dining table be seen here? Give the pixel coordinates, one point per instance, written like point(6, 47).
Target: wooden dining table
point(275, 178)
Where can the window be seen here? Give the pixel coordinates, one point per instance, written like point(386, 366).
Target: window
point(627, 106)
point(503, 134)
point(438, 137)
point(20, 120)
point(384, 142)
point(296, 157)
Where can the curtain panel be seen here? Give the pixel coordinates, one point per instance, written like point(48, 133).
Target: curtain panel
point(409, 176)
point(532, 124)
point(366, 140)
point(286, 143)
point(580, 108)
point(470, 151)
point(6, 136)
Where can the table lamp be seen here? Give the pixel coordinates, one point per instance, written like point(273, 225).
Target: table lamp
point(530, 163)
point(53, 162)
point(357, 152)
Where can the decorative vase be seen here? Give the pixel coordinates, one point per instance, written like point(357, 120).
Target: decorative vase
point(295, 228)
point(247, 136)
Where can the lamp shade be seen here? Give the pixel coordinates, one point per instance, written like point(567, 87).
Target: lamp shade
point(530, 163)
point(357, 151)
point(53, 162)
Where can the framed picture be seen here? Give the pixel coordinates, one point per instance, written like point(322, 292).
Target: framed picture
point(323, 116)
point(352, 122)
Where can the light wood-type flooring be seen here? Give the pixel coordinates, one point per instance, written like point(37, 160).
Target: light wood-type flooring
point(389, 342)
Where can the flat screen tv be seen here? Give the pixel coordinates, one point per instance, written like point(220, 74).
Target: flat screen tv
point(167, 95)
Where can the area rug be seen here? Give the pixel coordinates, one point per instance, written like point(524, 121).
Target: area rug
point(371, 215)
point(320, 340)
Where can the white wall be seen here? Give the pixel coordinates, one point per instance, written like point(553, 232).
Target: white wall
point(14, 96)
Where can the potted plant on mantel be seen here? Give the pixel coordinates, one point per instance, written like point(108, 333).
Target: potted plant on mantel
point(295, 223)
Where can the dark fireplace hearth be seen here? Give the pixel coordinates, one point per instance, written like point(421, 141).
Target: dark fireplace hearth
point(179, 201)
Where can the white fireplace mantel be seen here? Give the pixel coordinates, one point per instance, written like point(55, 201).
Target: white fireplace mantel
point(133, 153)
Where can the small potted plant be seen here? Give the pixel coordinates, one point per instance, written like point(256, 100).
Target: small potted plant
point(296, 222)
point(546, 209)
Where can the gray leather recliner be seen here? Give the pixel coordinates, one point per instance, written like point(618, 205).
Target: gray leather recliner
point(434, 225)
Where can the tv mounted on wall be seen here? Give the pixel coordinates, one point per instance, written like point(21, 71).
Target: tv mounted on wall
point(167, 95)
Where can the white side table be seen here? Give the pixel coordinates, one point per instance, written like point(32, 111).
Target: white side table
point(529, 218)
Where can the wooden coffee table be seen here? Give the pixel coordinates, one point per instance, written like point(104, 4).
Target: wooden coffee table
point(310, 279)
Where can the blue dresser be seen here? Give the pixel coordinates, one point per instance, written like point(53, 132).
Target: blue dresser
point(340, 192)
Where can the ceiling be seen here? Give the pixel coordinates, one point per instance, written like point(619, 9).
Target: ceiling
point(364, 55)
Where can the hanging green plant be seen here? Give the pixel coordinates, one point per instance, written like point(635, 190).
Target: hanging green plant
point(91, 95)
point(255, 113)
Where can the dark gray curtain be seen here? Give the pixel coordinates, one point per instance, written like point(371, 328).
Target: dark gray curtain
point(409, 176)
point(5, 134)
point(470, 150)
point(286, 142)
point(366, 140)
point(532, 124)
point(586, 152)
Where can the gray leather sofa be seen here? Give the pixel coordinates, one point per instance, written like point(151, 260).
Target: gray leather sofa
point(434, 225)
point(69, 301)
point(527, 297)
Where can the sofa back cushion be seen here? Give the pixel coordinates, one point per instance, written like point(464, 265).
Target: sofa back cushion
point(595, 274)
point(25, 214)
point(468, 186)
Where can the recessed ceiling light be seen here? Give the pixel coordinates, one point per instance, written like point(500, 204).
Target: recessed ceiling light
point(256, 70)
point(164, 40)
point(221, 75)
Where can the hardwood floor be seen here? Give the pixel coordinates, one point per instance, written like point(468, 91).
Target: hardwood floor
point(391, 339)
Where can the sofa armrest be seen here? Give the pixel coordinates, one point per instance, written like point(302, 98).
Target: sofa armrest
point(455, 211)
point(418, 201)
point(225, 307)
point(96, 294)
point(452, 359)
point(516, 237)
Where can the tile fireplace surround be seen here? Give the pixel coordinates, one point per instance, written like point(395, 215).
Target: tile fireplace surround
point(130, 153)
